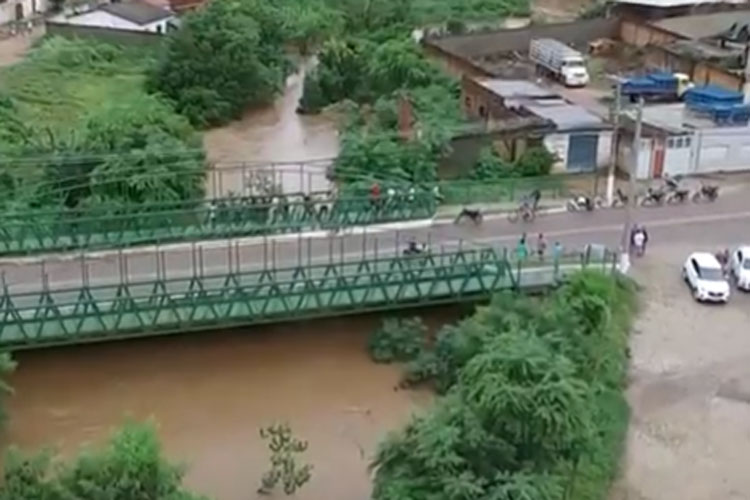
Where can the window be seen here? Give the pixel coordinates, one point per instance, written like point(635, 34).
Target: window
point(695, 267)
point(482, 112)
point(670, 143)
point(711, 274)
point(687, 142)
point(158, 28)
point(678, 142)
point(467, 101)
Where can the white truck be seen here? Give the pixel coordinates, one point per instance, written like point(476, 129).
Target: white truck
point(557, 59)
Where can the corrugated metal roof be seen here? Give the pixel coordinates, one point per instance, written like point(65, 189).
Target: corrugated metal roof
point(703, 25)
point(514, 88)
point(565, 115)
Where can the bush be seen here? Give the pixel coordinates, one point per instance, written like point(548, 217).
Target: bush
point(534, 405)
point(534, 162)
point(131, 466)
point(398, 340)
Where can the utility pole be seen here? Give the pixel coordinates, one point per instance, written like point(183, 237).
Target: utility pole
point(625, 257)
point(615, 119)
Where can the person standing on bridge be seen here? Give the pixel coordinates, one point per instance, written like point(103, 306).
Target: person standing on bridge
point(522, 250)
point(541, 247)
point(375, 195)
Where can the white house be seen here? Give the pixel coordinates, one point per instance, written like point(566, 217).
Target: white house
point(133, 15)
point(676, 142)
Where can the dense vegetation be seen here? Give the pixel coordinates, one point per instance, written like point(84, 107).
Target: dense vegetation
point(374, 64)
point(131, 466)
point(534, 162)
point(532, 406)
point(77, 130)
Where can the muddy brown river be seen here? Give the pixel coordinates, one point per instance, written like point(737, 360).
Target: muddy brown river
point(297, 147)
point(209, 393)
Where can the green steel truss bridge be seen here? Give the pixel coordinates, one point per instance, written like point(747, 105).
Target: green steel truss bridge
point(39, 231)
point(115, 303)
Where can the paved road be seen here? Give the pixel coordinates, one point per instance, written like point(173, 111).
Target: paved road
point(729, 215)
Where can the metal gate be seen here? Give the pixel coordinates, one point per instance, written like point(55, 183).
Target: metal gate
point(582, 152)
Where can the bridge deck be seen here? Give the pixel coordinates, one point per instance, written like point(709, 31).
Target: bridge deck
point(161, 305)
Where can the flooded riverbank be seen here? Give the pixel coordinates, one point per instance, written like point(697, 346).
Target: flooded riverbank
point(209, 393)
point(276, 134)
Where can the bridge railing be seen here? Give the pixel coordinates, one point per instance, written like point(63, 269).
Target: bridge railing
point(115, 227)
point(160, 304)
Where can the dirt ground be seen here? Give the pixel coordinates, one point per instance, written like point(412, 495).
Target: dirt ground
point(14, 48)
point(689, 436)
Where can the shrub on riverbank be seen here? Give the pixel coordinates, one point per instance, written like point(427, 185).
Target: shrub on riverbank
point(7, 366)
point(130, 466)
point(534, 404)
point(398, 339)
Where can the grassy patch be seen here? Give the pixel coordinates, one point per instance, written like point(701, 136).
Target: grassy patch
point(61, 81)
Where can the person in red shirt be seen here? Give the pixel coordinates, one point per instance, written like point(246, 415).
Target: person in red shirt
point(375, 194)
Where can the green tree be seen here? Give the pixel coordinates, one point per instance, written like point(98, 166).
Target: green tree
point(131, 466)
point(7, 366)
point(224, 57)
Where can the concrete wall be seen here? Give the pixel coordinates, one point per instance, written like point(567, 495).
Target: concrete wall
point(106, 34)
point(706, 151)
point(640, 34)
point(722, 149)
point(476, 45)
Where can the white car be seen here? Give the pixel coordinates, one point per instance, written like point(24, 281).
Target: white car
point(740, 266)
point(705, 277)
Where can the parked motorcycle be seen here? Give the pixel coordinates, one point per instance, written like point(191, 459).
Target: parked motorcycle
point(677, 196)
point(416, 248)
point(653, 197)
point(707, 192)
point(583, 204)
point(675, 193)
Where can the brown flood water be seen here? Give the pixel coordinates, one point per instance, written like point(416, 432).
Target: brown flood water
point(209, 393)
point(276, 134)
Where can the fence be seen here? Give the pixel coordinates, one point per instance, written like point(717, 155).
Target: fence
point(56, 315)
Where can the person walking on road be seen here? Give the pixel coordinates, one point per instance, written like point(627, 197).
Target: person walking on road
point(541, 247)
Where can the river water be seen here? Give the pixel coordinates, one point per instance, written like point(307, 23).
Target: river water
point(298, 146)
point(209, 393)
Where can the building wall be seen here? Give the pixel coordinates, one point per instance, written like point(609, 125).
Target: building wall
point(105, 34)
point(722, 149)
point(475, 45)
point(28, 8)
point(557, 144)
point(453, 64)
point(640, 34)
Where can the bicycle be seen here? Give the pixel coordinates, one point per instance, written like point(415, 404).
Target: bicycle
point(524, 213)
